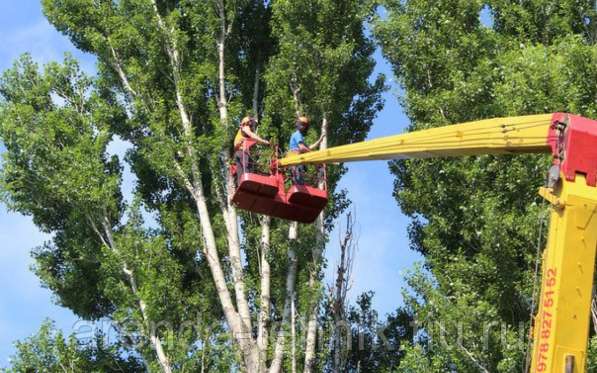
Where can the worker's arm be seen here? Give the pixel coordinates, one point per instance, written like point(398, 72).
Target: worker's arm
point(254, 136)
point(305, 149)
point(316, 144)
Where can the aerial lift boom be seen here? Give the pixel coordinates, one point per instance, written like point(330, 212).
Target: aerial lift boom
point(561, 325)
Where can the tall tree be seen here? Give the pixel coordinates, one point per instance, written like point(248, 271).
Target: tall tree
point(56, 126)
point(324, 61)
point(174, 78)
point(476, 220)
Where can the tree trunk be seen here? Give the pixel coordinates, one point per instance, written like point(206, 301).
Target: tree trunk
point(276, 364)
point(155, 340)
point(197, 193)
point(242, 337)
point(314, 274)
point(311, 338)
point(264, 265)
point(293, 333)
point(228, 210)
point(239, 322)
point(265, 295)
point(230, 215)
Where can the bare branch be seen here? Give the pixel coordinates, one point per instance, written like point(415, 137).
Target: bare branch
point(469, 354)
point(339, 292)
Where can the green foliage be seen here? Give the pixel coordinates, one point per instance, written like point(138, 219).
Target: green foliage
point(159, 88)
point(416, 359)
point(476, 220)
point(56, 169)
point(592, 355)
point(56, 126)
point(367, 343)
point(49, 351)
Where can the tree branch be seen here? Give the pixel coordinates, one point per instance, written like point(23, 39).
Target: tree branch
point(107, 239)
point(467, 353)
point(117, 65)
point(256, 93)
point(295, 89)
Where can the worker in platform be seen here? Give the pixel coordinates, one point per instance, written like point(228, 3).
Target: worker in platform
point(244, 140)
point(297, 145)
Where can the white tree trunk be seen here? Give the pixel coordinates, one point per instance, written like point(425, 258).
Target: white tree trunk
point(311, 339)
point(293, 334)
point(264, 265)
point(314, 275)
point(265, 294)
point(239, 322)
point(276, 364)
point(154, 339)
point(229, 212)
point(241, 335)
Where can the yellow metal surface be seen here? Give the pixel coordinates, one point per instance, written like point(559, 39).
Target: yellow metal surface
point(547, 194)
point(561, 326)
point(524, 134)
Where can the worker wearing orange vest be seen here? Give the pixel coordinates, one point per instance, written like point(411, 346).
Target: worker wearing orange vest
point(243, 142)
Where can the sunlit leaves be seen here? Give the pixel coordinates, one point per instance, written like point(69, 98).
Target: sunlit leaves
point(476, 220)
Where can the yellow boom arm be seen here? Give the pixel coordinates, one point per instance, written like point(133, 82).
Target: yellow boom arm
point(525, 134)
point(561, 325)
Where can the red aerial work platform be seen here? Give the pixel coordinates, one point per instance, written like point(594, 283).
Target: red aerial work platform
point(267, 194)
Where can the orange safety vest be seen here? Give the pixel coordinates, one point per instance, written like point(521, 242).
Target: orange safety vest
point(242, 141)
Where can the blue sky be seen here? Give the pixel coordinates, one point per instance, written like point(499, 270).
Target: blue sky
point(383, 249)
point(383, 252)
